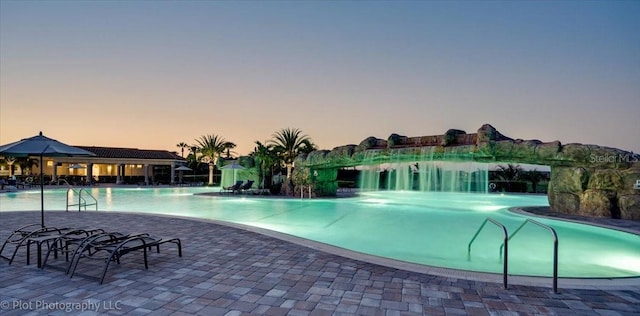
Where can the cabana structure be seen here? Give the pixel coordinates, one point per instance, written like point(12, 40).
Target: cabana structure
point(115, 165)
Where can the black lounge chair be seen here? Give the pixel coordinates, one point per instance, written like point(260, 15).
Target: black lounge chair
point(110, 247)
point(246, 188)
point(68, 242)
point(232, 189)
point(25, 236)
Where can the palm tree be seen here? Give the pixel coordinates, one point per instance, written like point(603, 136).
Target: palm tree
point(509, 173)
point(210, 148)
point(228, 152)
point(307, 147)
point(25, 163)
point(9, 161)
point(289, 142)
point(182, 146)
point(265, 158)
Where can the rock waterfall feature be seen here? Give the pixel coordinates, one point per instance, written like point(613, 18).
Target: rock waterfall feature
point(585, 179)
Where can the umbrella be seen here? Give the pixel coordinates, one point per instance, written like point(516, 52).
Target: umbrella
point(233, 166)
point(182, 169)
point(43, 147)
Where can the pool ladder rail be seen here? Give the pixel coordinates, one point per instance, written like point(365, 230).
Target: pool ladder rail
point(82, 201)
point(505, 246)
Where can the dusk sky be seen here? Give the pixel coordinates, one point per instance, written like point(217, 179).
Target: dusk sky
point(151, 74)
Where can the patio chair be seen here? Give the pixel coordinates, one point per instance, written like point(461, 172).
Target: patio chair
point(232, 189)
point(25, 236)
point(68, 242)
point(110, 247)
point(247, 187)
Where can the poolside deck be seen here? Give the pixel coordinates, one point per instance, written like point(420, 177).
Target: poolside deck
point(230, 271)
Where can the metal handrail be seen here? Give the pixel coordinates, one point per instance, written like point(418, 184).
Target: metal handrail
point(555, 247)
point(505, 243)
point(82, 202)
point(95, 202)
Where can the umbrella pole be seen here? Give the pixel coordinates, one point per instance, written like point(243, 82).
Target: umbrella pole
point(41, 192)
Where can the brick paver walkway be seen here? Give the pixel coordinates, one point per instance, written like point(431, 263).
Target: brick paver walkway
point(229, 271)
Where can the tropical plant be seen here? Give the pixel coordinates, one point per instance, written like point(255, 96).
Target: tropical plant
point(228, 152)
point(509, 172)
point(25, 164)
point(9, 161)
point(289, 143)
point(210, 148)
point(534, 176)
point(307, 147)
point(265, 159)
point(182, 146)
point(193, 161)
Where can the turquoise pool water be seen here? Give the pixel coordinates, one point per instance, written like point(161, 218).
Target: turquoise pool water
point(425, 228)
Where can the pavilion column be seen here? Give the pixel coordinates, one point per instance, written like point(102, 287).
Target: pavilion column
point(54, 172)
point(119, 173)
point(89, 180)
point(146, 174)
point(173, 174)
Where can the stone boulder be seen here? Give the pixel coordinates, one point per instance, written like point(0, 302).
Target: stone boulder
point(564, 202)
point(629, 206)
point(370, 142)
point(547, 152)
point(341, 156)
point(396, 140)
point(599, 203)
point(451, 136)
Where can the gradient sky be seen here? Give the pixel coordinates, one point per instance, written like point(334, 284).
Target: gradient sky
point(151, 74)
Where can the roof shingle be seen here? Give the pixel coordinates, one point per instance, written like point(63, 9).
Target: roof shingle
point(134, 153)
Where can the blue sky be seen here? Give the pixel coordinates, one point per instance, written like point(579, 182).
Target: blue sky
point(150, 74)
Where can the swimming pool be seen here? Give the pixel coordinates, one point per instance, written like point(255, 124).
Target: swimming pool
point(424, 228)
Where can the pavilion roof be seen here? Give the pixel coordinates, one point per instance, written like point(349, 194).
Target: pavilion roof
point(134, 153)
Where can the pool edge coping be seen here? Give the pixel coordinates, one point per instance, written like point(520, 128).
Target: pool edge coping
point(567, 283)
point(605, 284)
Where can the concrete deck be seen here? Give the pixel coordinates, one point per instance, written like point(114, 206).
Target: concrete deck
point(227, 270)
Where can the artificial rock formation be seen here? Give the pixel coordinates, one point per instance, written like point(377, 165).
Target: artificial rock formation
point(585, 179)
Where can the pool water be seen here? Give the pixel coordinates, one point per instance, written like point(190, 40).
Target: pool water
point(425, 228)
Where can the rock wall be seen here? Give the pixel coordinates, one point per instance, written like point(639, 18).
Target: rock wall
point(585, 179)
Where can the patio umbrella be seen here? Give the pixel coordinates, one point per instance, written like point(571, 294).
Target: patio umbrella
point(235, 167)
point(43, 147)
point(182, 169)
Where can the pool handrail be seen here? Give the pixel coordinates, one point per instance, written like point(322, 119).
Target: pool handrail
point(505, 249)
point(555, 247)
point(82, 202)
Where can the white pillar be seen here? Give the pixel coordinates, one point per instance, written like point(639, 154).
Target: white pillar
point(119, 173)
point(89, 173)
point(54, 173)
point(173, 174)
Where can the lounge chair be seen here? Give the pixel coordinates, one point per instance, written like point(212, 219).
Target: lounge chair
point(110, 247)
point(246, 188)
point(232, 189)
point(27, 235)
point(68, 242)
